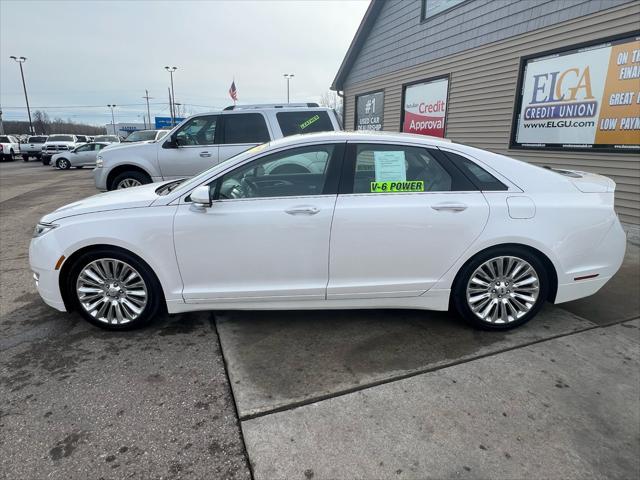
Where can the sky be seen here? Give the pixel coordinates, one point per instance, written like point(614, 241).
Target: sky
point(83, 55)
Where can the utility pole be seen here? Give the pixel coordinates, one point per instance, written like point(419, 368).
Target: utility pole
point(147, 97)
point(113, 119)
point(1, 124)
point(20, 61)
point(171, 108)
point(288, 76)
point(173, 93)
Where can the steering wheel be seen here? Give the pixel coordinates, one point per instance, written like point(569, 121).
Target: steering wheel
point(248, 186)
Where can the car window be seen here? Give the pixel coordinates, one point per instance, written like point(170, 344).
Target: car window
point(305, 121)
point(478, 175)
point(84, 148)
point(98, 146)
point(37, 139)
point(245, 128)
point(296, 172)
point(198, 131)
point(5, 140)
point(395, 168)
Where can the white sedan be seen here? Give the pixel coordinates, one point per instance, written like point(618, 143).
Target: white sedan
point(389, 221)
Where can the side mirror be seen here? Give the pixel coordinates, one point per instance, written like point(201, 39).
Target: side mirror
point(201, 197)
point(170, 142)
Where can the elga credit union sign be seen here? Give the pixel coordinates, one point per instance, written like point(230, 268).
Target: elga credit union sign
point(582, 98)
point(425, 107)
point(369, 108)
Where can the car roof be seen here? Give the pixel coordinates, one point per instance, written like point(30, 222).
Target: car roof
point(361, 136)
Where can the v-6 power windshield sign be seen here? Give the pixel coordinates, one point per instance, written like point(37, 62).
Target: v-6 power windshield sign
point(586, 98)
point(425, 108)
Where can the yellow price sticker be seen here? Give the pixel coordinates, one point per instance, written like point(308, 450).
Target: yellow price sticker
point(406, 186)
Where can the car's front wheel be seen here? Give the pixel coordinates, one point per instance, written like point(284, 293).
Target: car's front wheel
point(25, 158)
point(130, 179)
point(114, 290)
point(63, 164)
point(501, 288)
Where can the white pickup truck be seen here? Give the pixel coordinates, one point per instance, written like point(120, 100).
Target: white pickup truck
point(32, 147)
point(9, 147)
point(58, 144)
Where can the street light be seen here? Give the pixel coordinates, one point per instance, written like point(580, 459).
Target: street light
point(20, 61)
point(173, 95)
point(113, 120)
point(288, 76)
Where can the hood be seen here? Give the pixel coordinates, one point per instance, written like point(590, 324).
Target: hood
point(136, 197)
point(132, 148)
point(113, 146)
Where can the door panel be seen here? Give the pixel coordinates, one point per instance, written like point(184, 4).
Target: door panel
point(264, 248)
point(399, 244)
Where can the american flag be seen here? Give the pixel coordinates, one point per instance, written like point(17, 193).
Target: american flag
point(233, 93)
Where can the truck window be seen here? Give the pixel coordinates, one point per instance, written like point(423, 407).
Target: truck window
point(245, 128)
point(305, 121)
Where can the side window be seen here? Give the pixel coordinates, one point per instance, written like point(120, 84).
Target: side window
point(296, 172)
point(198, 131)
point(304, 121)
point(84, 148)
point(395, 168)
point(245, 128)
point(478, 175)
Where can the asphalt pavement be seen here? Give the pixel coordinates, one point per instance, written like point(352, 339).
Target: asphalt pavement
point(310, 395)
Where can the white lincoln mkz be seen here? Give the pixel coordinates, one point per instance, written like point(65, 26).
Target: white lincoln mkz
point(336, 220)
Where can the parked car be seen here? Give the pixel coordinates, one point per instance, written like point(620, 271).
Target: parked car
point(82, 156)
point(107, 139)
point(391, 221)
point(9, 147)
point(82, 139)
point(33, 147)
point(207, 139)
point(57, 144)
point(140, 136)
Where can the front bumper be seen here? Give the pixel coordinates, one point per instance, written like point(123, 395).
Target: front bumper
point(47, 286)
point(43, 256)
point(100, 178)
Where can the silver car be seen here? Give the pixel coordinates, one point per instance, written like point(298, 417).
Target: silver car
point(82, 156)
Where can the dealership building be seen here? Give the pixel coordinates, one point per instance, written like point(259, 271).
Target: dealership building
point(552, 82)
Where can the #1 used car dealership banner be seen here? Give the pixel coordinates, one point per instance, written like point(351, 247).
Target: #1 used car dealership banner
point(425, 107)
point(582, 98)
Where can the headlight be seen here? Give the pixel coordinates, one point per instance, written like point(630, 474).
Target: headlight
point(42, 228)
point(99, 161)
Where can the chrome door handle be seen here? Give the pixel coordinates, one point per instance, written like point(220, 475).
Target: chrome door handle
point(205, 154)
point(302, 211)
point(449, 207)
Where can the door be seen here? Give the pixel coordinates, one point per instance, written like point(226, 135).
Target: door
point(84, 155)
point(404, 215)
point(195, 148)
point(266, 235)
point(240, 132)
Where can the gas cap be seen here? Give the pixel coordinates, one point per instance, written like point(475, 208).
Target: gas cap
point(521, 207)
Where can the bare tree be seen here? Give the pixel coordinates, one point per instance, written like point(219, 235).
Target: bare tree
point(331, 99)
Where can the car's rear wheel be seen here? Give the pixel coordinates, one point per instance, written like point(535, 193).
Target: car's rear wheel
point(63, 164)
point(12, 155)
point(25, 158)
point(114, 290)
point(501, 288)
point(130, 179)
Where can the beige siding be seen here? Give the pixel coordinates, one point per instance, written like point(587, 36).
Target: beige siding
point(482, 97)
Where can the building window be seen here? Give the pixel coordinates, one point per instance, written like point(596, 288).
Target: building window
point(434, 7)
point(424, 107)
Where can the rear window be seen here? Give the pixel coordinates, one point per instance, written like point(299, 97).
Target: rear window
point(5, 140)
point(37, 139)
point(305, 121)
point(245, 128)
point(478, 175)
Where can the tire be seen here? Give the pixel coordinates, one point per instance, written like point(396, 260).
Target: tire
point(46, 161)
point(25, 158)
point(498, 305)
point(132, 178)
point(98, 307)
point(12, 155)
point(63, 164)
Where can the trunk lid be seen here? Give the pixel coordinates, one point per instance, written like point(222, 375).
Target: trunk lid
point(588, 182)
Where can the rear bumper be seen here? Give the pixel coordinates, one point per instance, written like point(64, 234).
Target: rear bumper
point(603, 262)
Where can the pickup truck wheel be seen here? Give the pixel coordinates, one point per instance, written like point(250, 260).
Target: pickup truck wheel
point(129, 179)
point(46, 161)
point(25, 158)
point(63, 164)
point(12, 155)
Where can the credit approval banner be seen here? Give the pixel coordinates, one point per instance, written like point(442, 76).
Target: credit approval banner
point(587, 98)
point(425, 107)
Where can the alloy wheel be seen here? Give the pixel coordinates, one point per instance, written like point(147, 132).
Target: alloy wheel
point(111, 291)
point(128, 183)
point(503, 289)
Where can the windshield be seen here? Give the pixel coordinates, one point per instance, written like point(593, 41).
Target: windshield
point(141, 136)
point(107, 138)
point(193, 181)
point(60, 138)
point(5, 140)
point(37, 139)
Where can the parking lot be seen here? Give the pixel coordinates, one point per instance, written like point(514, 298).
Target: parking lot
point(323, 394)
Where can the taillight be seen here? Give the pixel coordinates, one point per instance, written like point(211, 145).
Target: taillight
point(1, 147)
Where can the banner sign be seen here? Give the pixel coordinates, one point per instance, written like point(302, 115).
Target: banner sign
point(425, 107)
point(369, 111)
point(165, 122)
point(587, 98)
